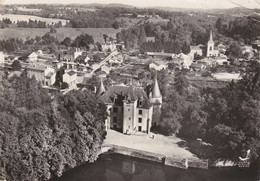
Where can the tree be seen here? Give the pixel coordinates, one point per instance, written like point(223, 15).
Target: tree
point(50, 136)
point(181, 84)
point(142, 36)
point(234, 50)
point(116, 25)
point(105, 37)
point(64, 85)
point(185, 48)
point(16, 65)
point(83, 40)
point(53, 30)
point(66, 42)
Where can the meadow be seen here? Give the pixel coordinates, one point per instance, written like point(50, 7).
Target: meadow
point(18, 17)
point(25, 33)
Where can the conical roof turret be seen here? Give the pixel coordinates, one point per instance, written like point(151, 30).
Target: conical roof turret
point(101, 88)
point(156, 93)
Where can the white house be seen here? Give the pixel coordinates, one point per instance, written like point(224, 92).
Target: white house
point(186, 60)
point(106, 69)
point(197, 66)
point(77, 53)
point(222, 60)
point(224, 76)
point(70, 78)
point(198, 50)
point(208, 62)
point(157, 66)
point(109, 46)
point(33, 57)
point(2, 58)
point(44, 74)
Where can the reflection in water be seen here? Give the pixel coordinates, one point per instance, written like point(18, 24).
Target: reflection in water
point(122, 168)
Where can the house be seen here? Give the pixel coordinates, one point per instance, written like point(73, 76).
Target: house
point(150, 39)
point(69, 55)
point(222, 60)
point(208, 61)
point(228, 77)
point(77, 53)
point(70, 78)
point(197, 66)
point(83, 59)
point(196, 50)
point(256, 44)
point(160, 54)
point(105, 69)
point(2, 58)
point(33, 57)
point(186, 60)
point(158, 66)
point(130, 110)
point(108, 47)
point(43, 74)
point(221, 48)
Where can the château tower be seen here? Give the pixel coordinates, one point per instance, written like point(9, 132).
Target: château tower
point(156, 97)
point(101, 89)
point(156, 100)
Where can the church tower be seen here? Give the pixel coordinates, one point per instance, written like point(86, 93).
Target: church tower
point(210, 45)
point(101, 89)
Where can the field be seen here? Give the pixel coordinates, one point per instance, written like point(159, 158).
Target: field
point(132, 21)
point(19, 17)
point(23, 33)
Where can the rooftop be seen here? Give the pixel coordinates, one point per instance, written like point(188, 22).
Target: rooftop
point(71, 73)
point(116, 94)
point(37, 67)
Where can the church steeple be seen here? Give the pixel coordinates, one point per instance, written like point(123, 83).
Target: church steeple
point(101, 88)
point(210, 36)
point(210, 45)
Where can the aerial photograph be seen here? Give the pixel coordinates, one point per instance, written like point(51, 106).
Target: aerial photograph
point(116, 90)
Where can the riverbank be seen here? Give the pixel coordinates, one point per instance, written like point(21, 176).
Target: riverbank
point(163, 149)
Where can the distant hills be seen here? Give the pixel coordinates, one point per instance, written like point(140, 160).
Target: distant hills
point(233, 11)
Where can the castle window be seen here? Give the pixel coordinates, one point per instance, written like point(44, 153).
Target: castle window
point(139, 120)
point(140, 112)
point(115, 120)
point(129, 118)
point(140, 103)
point(210, 48)
point(115, 110)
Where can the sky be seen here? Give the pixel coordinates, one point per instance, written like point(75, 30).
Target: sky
point(204, 4)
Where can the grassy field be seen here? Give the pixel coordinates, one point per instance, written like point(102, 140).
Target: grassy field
point(20, 17)
point(133, 21)
point(23, 33)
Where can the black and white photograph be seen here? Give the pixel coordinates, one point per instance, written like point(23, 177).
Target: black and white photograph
point(116, 90)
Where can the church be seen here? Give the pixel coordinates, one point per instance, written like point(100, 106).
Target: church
point(130, 108)
point(210, 50)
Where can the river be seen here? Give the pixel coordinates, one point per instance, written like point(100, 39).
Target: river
point(117, 167)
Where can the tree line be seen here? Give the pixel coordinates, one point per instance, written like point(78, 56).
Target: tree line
point(41, 137)
point(227, 118)
point(37, 24)
point(47, 42)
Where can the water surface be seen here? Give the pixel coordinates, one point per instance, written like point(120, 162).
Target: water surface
point(117, 167)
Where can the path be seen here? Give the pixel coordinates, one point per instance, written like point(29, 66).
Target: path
point(166, 145)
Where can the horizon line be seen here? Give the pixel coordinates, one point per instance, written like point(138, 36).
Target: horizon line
point(133, 6)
